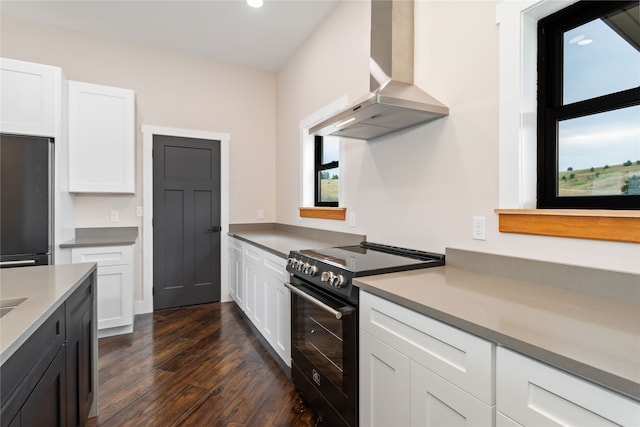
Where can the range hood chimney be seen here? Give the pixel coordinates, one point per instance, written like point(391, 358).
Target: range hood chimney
point(394, 102)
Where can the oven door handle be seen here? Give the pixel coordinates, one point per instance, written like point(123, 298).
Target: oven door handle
point(338, 313)
point(19, 263)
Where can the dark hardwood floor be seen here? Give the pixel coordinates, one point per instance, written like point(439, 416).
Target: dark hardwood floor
point(194, 366)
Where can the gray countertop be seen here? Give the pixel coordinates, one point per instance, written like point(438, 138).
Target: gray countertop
point(279, 239)
point(102, 236)
point(592, 337)
point(45, 289)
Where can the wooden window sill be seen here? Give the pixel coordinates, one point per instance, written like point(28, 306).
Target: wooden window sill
point(610, 225)
point(339, 214)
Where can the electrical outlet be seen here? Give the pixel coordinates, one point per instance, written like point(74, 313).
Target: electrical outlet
point(260, 214)
point(115, 216)
point(352, 219)
point(478, 232)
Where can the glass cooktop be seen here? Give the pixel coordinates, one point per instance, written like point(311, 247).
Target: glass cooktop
point(371, 258)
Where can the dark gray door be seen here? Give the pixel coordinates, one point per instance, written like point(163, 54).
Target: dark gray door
point(186, 221)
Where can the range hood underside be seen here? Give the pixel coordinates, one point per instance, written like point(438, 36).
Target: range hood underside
point(396, 106)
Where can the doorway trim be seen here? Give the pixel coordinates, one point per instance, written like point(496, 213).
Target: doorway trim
point(145, 305)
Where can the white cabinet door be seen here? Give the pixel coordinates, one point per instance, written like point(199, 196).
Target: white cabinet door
point(462, 358)
point(236, 291)
point(277, 314)
point(101, 139)
point(436, 402)
point(253, 284)
point(385, 379)
point(270, 324)
point(241, 285)
point(114, 292)
point(277, 319)
point(115, 296)
point(282, 342)
point(535, 394)
point(30, 97)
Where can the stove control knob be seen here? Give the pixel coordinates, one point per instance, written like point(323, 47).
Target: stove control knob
point(306, 267)
point(326, 276)
point(300, 266)
point(291, 262)
point(337, 281)
point(313, 270)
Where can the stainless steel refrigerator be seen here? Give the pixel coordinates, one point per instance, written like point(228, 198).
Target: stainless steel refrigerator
point(26, 200)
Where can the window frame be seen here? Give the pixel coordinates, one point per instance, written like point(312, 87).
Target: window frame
point(550, 109)
point(319, 167)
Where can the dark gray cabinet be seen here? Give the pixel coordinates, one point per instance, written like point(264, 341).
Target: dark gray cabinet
point(79, 355)
point(46, 405)
point(48, 381)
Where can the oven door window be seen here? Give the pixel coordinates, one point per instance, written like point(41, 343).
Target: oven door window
point(320, 339)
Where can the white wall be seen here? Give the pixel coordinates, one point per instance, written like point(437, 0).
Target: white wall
point(172, 90)
point(420, 187)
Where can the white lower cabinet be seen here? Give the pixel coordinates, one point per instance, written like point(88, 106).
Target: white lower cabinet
point(257, 279)
point(437, 402)
point(416, 371)
point(385, 377)
point(236, 289)
point(254, 298)
point(277, 318)
point(114, 292)
point(532, 393)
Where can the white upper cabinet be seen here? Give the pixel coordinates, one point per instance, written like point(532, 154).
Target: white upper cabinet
point(30, 97)
point(101, 139)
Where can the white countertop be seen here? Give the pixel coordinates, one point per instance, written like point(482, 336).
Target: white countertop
point(46, 288)
point(592, 337)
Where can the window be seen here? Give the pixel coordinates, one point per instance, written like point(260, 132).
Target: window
point(588, 128)
point(326, 171)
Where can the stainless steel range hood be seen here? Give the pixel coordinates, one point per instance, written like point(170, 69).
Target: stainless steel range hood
point(394, 102)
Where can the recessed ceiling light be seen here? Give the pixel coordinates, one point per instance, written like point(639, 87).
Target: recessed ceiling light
point(255, 3)
point(585, 42)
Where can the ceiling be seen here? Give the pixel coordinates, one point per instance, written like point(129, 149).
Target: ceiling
point(223, 30)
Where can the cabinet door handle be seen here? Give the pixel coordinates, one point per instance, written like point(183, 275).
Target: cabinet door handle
point(214, 229)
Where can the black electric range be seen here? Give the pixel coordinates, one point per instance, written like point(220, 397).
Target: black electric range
point(324, 321)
